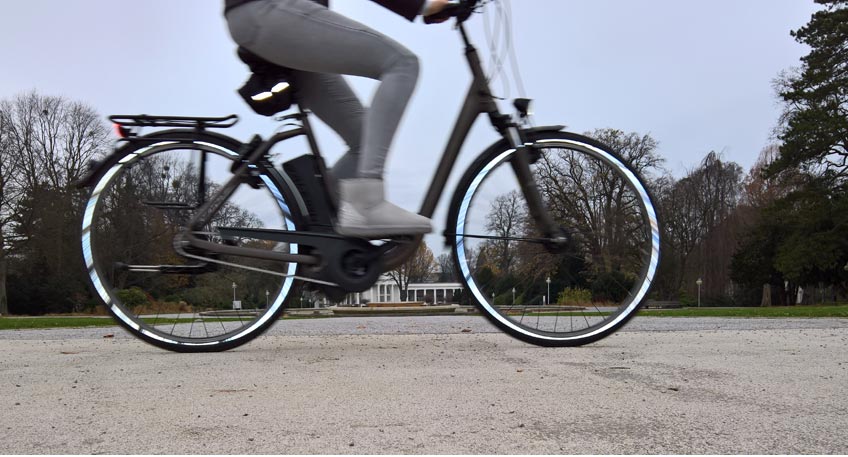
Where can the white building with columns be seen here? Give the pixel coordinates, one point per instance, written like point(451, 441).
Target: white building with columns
point(387, 291)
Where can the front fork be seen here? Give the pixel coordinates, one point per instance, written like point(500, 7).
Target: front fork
point(520, 162)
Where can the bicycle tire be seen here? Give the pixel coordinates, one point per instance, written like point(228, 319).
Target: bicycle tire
point(487, 180)
point(128, 177)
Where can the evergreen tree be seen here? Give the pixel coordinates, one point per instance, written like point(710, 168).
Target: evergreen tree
point(814, 130)
point(800, 238)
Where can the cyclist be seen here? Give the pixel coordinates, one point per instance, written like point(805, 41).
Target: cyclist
point(319, 46)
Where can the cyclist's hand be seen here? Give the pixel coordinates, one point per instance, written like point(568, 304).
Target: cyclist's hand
point(433, 7)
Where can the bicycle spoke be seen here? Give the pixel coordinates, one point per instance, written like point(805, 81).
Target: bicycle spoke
point(205, 329)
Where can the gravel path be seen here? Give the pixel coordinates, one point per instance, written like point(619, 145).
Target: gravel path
point(420, 385)
point(428, 325)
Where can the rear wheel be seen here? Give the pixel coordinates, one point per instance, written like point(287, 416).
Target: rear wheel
point(565, 292)
point(141, 202)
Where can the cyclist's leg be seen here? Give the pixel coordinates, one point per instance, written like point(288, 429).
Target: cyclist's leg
point(303, 35)
point(332, 100)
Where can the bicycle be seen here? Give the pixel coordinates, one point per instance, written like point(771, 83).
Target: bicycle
point(163, 241)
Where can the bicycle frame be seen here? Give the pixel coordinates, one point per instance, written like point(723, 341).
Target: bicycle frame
point(478, 101)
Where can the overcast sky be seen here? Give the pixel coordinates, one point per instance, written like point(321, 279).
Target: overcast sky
point(694, 74)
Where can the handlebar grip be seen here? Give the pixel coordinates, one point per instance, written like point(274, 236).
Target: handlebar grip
point(448, 12)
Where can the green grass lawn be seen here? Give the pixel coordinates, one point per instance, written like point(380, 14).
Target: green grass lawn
point(29, 323)
point(775, 311)
point(26, 323)
point(841, 311)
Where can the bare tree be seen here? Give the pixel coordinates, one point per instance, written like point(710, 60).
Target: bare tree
point(447, 271)
point(418, 268)
point(760, 189)
point(10, 193)
point(587, 196)
point(639, 151)
point(504, 221)
point(56, 138)
point(693, 207)
point(46, 144)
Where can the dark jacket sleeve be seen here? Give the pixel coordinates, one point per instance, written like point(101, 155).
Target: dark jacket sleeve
point(406, 8)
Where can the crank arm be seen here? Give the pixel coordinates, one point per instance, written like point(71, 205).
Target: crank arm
point(166, 269)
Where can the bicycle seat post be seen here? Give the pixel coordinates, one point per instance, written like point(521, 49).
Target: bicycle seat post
point(303, 116)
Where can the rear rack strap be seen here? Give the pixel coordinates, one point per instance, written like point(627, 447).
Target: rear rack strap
point(143, 120)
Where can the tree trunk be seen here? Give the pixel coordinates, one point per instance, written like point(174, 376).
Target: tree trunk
point(766, 295)
point(4, 300)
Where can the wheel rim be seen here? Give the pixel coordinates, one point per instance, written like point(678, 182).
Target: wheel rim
point(140, 323)
point(600, 320)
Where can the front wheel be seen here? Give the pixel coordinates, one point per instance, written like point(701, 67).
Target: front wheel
point(566, 292)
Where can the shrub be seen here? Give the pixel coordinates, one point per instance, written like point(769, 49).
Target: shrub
point(504, 299)
point(611, 286)
point(574, 296)
point(133, 297)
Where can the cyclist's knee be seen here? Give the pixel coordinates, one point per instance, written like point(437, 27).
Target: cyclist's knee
point(406, 64)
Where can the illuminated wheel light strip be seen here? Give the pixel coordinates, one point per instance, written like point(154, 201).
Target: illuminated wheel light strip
point(86, 240)
point(463, 261)
point(136, 154)
point(292, 267)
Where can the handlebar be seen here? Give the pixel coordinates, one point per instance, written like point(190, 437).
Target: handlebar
point(460, 9)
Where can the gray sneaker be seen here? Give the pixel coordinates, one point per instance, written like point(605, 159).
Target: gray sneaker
point(364, 212)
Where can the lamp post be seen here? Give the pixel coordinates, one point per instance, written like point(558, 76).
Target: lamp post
point(549, 289)
point(493, 298)
point(513, 295)
point(699, 282)
point(266, 298)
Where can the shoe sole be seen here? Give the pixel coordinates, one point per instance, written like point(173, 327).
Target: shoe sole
point(372, 232)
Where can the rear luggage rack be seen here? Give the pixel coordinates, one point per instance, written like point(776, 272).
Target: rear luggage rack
point(200, 123)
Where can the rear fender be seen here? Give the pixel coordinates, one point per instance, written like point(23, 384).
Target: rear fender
point(96, 168)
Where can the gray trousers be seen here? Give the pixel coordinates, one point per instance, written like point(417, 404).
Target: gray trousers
point(320, 46)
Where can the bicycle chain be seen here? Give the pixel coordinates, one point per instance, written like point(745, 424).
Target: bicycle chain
point(182, 252)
